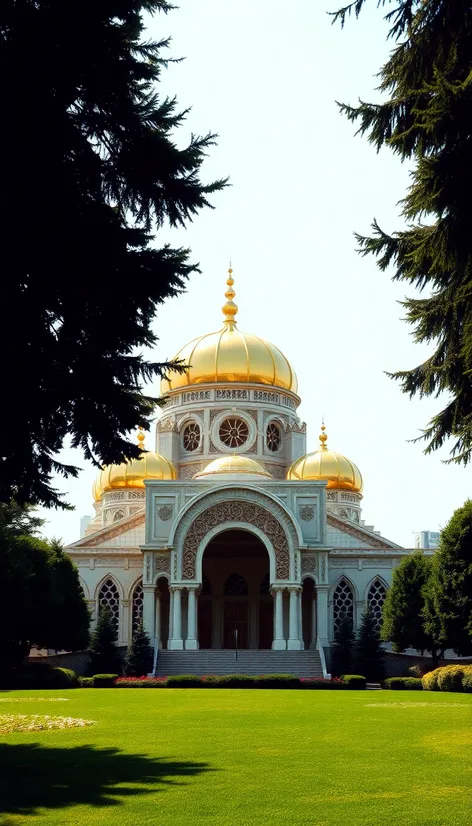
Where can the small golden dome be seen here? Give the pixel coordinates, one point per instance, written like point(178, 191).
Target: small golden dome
point(132, 474)
point(233, 465)
point(230, 355)
point(325, 465)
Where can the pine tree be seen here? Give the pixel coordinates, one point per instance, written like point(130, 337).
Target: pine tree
point(104, 657)
point(449, 593)
point(93, 166)
point(369, 655)
point(403, 614)
point(424, 117)
point(341, 650)
point(139, 656)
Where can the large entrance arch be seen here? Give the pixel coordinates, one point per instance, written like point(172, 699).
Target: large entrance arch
point(235, 601)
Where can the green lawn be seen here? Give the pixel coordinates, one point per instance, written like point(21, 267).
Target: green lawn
point(235, 757)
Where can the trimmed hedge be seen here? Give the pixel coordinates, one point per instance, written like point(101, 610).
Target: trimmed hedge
point(354, 681)
point(232, 681)
point(141, 682)
point(237, 681)
point(104, 680)
point(86, 682)
point(404, 683)
point(278, 681)
point(42, 676)
point(320, 682)
point(449, 678)
point(184, 681)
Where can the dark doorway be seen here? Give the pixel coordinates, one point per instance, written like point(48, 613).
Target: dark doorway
point(308, 607)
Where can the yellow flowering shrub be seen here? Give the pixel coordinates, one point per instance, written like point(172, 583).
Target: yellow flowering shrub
point(430, 680)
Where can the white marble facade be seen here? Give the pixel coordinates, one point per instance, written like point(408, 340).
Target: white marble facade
point(245, 547)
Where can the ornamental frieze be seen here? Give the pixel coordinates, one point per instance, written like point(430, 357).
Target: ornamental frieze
point(235, 511)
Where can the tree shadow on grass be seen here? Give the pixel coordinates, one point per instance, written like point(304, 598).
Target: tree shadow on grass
point(33, 776)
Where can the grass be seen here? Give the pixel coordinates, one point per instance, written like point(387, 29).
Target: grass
point(239, 757)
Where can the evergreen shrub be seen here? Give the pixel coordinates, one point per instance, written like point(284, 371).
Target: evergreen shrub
point(237, 681)
point(184, 681)
point(430, 680)
point(104, 680)
point(86, 682)
point(277, 681)
point(450, 678)
point(404, 683)
point(141, 682)
point(467, 681)
point(354, 681)
point(139, 656)
point(319, 682)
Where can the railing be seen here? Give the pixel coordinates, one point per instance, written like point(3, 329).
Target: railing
point(320, 649)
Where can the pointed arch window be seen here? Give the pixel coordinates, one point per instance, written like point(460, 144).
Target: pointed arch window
point(343, 603)
point(137, 605)
point(376, 599)
point(109, 598)
point(236, 586)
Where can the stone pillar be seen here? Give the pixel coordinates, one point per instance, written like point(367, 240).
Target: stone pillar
point(126, 631)
point(158, 618)
point(313, 623)
point(149, 611)
point(171, 615)
point(279, 643)
point(300, 620)
point(191, 641)
point(322, 614)
point(294, 622)
point(176, 641)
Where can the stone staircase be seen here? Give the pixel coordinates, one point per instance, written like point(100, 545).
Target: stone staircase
point(211, 661)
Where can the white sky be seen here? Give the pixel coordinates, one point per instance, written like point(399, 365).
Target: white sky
point(265, 76)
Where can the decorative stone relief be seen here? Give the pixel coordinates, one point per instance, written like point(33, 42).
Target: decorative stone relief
point(343, 563)
point(189, 471)
point(165, 512)
point(231, 394)
point(236, 511)
point(295, 426)
point(277, 471)
point(83, 563)
point(109, 562)
point(323, 568)
point(161, 564)
point(265, 396)
point(134, 509)
point(377, 563)
point(331, 497)
point(136, 563)
point(136, 494)
point(306, 512)
point(349, 497)
point(196, 396)
point(148, 567)
point(309, 564)
point(115, 497)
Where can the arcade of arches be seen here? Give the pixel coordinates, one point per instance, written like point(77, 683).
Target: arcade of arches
point(235, 604)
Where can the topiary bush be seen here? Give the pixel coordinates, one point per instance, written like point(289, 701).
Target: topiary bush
point(64, 678)
point(237, 681)
point(430, 680)
point(277, 681)
point(104, 680)
point(37, 677)
point(354, 681)
point(211, 681)
point(141, 682)
point(184, 681)
point(450, 678)
point(467, 680)
point(404, 683)
point(86, 682)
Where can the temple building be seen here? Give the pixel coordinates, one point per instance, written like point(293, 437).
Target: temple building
point(231, 533)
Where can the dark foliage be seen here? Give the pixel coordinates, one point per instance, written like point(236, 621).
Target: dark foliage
point(139, 656)
point(341, 650)
point(368, 654)
point(424, 117)
point(91, 170)
point(103, 652)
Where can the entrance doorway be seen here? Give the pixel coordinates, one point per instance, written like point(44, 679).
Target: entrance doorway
point(235, 593)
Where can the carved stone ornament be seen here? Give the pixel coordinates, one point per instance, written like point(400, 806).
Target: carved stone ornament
point(165, 512)
point(148, 568)
point(236, 511)
point(162, 563)
point(309, 564)
point(323, 568)
point(136, 494)
point(167, 426)
point(306, 512)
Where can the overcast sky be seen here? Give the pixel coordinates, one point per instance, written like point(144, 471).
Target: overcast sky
point(265, 75)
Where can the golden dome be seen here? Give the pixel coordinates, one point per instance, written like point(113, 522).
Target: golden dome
point(233, 465)
point(231, 355)
point(132, 474)
point(325, 465)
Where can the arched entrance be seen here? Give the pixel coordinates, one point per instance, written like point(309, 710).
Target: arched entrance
point(235, 592)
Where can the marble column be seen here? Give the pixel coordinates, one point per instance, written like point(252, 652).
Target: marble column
point(294, 622)
point(191, 641)
point(300, 620)
point(322, 614)
point(176, 642)
point(158, 618)
point(279, 643)
point(149, 611)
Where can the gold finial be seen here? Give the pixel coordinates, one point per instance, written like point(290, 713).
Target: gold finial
point(230, 308)
point(323, 437)
point(141, 438)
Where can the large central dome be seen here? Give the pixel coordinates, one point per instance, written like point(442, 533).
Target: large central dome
point(231, 355)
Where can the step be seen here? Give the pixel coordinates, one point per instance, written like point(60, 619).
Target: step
point(208, 661)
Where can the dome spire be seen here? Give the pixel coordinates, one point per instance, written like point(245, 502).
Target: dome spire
point(230, 308)
point(323, 437)
point(141, 438)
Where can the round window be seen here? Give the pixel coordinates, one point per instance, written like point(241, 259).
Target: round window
point(233, 432)
point(273, 437)
point(192, 435)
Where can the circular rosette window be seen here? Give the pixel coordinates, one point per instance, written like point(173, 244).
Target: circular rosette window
point(192, 436)
point(273, 437)
point(233, 432)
